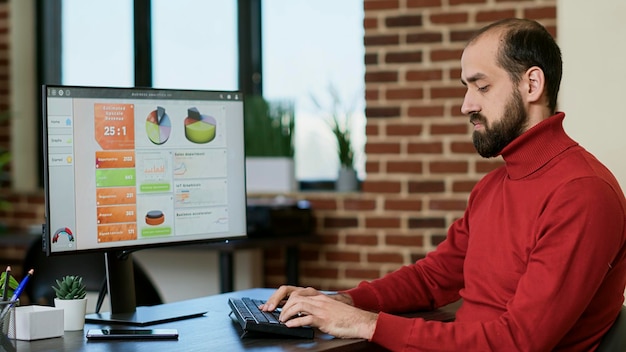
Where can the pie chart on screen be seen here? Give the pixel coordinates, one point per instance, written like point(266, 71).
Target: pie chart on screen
point(199, 128)
point(158, 126)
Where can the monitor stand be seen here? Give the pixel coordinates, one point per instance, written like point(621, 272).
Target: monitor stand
point(121, 288)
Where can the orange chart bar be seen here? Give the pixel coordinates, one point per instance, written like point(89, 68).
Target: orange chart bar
point(114, 233)
point(124, 159)
point(117, 214)
point(115, 196)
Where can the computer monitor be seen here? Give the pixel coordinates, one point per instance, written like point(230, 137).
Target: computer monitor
point(133, 168)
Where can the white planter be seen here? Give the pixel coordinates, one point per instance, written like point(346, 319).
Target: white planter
point(347, 180)
point(270, 175)
point(74, 311)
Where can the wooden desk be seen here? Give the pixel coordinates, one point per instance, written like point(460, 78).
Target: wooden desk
point(215, 331)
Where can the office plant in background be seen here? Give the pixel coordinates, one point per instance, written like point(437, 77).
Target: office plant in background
point(269, 128)
point(340, 123)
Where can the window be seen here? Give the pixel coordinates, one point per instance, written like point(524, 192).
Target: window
point(97, 42)
point(194, 44)
point(307, 46)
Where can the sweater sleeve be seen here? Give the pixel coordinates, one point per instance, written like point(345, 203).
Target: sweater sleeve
point(577, 247)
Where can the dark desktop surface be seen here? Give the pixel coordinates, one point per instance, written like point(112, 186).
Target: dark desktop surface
point(214, 331)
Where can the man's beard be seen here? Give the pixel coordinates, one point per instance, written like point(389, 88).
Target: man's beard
point(493, 139)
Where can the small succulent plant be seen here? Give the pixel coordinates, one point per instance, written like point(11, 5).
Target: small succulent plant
point(70, 287)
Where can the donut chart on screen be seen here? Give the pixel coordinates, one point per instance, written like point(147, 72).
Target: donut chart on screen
point(158, 126)
point(199, 128)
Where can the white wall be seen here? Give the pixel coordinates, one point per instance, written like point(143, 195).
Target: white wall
point(183, 273)
point(592, 36)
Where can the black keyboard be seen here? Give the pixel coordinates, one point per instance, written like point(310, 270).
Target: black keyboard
point(252, 319)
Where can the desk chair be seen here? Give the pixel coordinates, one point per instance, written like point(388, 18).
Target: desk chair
point(615, 339)
point(91, 266)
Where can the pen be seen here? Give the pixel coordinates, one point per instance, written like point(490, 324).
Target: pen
point(20, 287)
point(7, 275)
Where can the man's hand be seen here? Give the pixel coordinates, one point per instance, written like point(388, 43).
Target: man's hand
point(332, 314)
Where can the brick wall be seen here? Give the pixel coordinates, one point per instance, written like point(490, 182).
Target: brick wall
point(421, 164)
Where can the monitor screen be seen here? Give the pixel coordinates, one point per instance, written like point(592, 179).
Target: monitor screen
point(130, 168)
point(133, 168)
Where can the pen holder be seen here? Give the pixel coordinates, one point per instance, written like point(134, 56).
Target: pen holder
point(7, 318)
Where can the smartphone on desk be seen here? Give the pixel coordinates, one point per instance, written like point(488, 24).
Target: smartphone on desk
point(131, 334)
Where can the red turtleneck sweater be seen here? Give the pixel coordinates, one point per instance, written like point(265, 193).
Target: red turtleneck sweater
point(539, 258)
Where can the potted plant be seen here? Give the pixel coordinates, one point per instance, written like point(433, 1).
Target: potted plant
point(71, 297)
point(269, 128)
point(340, 124)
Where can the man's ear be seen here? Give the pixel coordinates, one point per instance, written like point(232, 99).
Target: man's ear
point(534, 84)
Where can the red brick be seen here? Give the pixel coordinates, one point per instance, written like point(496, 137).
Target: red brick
point(424, 75)
point(404, 93)
point(403, 204)
point(404, 21)
point(340, 222)
point(381, 40)
point(394, 167)
point(461, 35)
point(381, 222)
point(427, 187)
point(372, 130)
point(404, 240)
point(540, 13)
point(324, 204)
point(359, 204)
point(371, 94)
point(385, 258)
point(425, 37)
point(447, 204)
point(404, 57)
point(463, 2)
point(372, 167)
point(423, 223)
point(381, 76)
point(450, 129)
point(425, 148)
point(370, 5)
point(389, 111)
point(423, 3)
point(342, 256)
point(449, 18)
point(404, 130)
point(446, 55)
point(363, 240)
point(381, 186)
point(448, 167)
point(426, 111)
point(371, 59)
point(382, 148)
point(462, 148)
point(491, 16)
point(463, 186)
point(447, 92)
point(370, 23)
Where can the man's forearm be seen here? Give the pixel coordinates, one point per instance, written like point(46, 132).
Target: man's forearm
point(342, 297)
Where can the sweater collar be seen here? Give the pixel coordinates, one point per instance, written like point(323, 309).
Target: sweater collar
point(536, 147)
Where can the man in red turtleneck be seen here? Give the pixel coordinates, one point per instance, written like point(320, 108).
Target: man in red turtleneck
point(539, 257)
